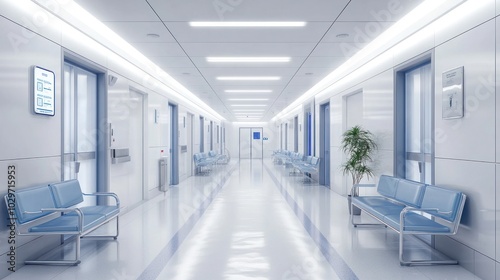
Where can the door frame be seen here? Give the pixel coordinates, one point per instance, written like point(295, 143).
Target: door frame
point(250, 142)
point(174, 143)
point(399, 160)
point(346, 182)
point(144, 104)
point(190, 126)
point(103, 157)
point(324, 146)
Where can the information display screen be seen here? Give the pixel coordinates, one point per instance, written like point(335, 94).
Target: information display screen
point(43, 91)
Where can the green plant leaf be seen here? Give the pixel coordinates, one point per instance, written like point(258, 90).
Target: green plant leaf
point(358, 145)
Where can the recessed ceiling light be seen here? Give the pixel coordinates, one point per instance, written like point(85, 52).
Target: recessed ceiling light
point(153, 35)
point(248, 91)
point(247, 23)
point(248, 110)
point(342, 35)
point(248, 59)
point(309, 74)
point(248, 99)
point(186, 73)
point(235, 78)
point(248, 105)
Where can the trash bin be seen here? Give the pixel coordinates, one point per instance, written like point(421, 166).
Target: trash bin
point(164, 182)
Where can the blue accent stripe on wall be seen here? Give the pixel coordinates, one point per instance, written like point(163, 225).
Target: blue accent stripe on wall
point(334, 259)
point(158, 264)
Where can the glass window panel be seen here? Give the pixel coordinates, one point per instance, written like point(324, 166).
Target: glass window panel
point(69, 106)
point(419, 118)
point(427, 91)
point(412, 170)
point(413, 103)
point(87, 111)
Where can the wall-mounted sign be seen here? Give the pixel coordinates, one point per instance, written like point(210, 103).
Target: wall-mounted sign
point(453, 93)
point(44, 83)
point(256, 135)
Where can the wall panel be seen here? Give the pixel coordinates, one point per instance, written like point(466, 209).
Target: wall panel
point(462, 19)
point(473, 136)
point(477, 181)
point(41, 136)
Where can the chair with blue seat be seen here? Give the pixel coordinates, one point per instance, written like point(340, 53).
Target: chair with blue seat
point(52, 210)
point(202, 164)
point(69, 194)
point(412, 208)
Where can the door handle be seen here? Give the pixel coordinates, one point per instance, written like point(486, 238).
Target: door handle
point(77, 167)
point(420, 167)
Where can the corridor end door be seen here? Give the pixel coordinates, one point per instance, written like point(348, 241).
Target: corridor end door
point(251, 143)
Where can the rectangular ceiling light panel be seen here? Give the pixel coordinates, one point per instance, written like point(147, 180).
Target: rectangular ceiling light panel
point(248, 59)
point(248, 91)
point(249, 78)
point(247, 23)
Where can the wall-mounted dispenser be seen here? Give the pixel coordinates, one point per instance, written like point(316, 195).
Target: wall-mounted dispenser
point(164, 182)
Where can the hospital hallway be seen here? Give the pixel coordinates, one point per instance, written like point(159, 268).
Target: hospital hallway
point(245, 220)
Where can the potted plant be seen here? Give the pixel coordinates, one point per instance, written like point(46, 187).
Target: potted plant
point(358, 144)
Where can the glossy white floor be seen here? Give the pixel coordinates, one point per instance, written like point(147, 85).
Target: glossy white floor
point(247, 220)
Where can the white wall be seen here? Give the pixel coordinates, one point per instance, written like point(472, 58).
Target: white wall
point(30, 142)
point(467, 150)
point(33, 142)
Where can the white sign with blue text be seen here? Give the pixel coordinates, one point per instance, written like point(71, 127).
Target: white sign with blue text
point(43, 91)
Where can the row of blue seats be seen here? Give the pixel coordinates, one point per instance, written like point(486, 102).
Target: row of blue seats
point(54, 210)
point(305, 165)
point(205, 161)
point(412, 208)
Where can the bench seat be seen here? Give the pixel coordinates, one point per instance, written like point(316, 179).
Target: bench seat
point(415, 223)
point(70, 224)
point(412, 208)
point(106, 211)
point(61, 201)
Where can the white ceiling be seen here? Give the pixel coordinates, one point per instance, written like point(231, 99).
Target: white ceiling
point(315, 49)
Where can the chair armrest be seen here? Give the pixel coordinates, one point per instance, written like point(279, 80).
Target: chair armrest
point(429, 211)
point(62, 210)
point(117, 200)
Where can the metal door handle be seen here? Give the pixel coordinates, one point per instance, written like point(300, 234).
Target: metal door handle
point(77, 167)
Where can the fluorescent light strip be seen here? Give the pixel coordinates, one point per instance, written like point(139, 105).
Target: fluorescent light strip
point(245, 114)
point(248, 99)
point(248, 110)
point(248, 59)
point(76, 21)
point(376, 46)
point(249, 123)
point(248, 105)
point(247, 23)
point(248, 91)
point(249, 78)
